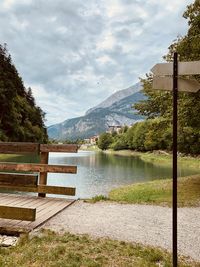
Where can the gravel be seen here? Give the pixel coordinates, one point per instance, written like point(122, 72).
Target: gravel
point(146, 224)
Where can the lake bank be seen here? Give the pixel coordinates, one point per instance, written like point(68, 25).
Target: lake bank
point(159, 192)
point(157, 157)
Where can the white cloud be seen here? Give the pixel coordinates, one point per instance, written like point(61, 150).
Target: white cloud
point(9, 3)
point(107, 42)
point(76, 53)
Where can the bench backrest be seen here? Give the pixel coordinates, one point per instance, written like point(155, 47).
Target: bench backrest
point(36, 181)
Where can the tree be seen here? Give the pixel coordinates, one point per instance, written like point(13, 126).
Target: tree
point(20, 118)
point(159, 104)
point(119, 142)
point(105, 140)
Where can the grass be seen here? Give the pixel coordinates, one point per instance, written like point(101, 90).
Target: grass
point(97, 198)
point(159, 192)
point(53, 250)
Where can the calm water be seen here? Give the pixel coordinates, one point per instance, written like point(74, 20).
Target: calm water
point(98, 173)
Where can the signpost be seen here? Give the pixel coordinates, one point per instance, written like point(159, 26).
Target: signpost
point(162, 81)
point(184, 68)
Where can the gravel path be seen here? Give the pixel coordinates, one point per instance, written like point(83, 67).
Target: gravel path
point(135, 223)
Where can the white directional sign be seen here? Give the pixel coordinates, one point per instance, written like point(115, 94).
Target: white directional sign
point(184, 68)
point(166, 83)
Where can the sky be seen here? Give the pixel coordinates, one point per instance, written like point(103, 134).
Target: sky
point(75, 53)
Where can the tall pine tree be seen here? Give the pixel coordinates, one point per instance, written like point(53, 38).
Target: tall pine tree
point(20, 119)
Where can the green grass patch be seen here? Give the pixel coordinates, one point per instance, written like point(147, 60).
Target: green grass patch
point(53, 250)
point(159, 192)
point(97, 199)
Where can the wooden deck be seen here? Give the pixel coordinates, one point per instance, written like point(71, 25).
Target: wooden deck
point(46, 208)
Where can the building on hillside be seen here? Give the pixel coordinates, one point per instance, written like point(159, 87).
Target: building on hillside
point(86, 141)
point(94, 139)
point(114, 128)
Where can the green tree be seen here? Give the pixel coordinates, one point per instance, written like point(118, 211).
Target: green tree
point(20, 118)
point(135, 136)
point(105, 140)
point(159, 104)
point(119, 142)
point(158, 135)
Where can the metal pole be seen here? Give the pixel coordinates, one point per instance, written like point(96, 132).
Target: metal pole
point(174, 198)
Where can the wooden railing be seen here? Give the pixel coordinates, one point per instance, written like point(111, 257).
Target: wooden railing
point(32, 182)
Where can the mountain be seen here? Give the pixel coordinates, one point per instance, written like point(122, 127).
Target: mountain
point(117, 97)
point(115, 110)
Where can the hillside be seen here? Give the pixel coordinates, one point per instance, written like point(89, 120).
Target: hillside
point(20, 119)
point(115, 110)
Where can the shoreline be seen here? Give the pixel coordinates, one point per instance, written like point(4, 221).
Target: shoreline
point(157, 157)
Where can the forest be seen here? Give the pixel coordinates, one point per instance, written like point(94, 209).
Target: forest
point(20, 118)
point(156, 131)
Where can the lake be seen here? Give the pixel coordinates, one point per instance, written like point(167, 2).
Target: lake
point(98, 172)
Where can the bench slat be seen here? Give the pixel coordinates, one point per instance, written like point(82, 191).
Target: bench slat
point(18, 179)
point(32, 167)
point(70, 191)
point(68, 148)
point(18, 148)
point(15, 213)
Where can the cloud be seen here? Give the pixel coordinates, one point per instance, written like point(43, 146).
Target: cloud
point(76, 53)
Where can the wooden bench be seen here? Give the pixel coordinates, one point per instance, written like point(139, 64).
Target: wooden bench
point(23, 182)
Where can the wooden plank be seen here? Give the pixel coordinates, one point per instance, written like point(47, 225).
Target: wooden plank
point(41, 205)
point(32, 167)
point(184, 85)
point(68, 148)
point(18, 201)
point(44, 158)
point(49, 214)
point(17, 213)
point(26, 202)
point(18, 148)
point(18, 179)
point(32, 202)
point(45, 209)
point(184, 68)
point(15, 200)
point(70, 191)
point(42, 189)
